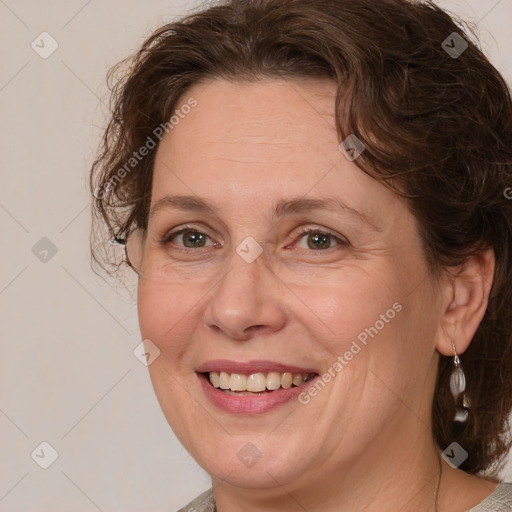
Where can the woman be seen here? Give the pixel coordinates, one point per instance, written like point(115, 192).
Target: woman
point(312, 193)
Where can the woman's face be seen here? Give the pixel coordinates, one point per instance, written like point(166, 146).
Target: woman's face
point(351, 301)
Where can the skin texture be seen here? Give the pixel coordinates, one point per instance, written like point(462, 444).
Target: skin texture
point(364, 442)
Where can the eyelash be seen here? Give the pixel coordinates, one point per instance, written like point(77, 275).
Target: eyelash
point(167, 238)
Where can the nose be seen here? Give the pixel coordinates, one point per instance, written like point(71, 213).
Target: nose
point(247, 300)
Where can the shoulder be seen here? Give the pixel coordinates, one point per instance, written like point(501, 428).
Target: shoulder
point(500, 500)
point(205, 502)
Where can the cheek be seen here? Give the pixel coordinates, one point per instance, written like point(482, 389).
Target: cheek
point(151, 307)
point(166, 316)
point(358, 307)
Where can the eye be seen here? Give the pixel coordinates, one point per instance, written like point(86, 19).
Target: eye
point(319, 240)
point(191, 238)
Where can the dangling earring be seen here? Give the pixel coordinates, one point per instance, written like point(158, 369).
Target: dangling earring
point(457, 388)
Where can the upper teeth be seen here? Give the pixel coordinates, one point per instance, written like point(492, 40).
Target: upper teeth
point(257, 381)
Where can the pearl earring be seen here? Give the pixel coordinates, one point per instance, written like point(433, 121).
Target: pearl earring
point(457, 388)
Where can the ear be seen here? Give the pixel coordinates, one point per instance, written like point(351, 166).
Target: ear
point(466, 295)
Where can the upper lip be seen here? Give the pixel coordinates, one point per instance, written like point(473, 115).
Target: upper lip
point(249, 367)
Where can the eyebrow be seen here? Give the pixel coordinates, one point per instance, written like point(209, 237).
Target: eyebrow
point(281, 209)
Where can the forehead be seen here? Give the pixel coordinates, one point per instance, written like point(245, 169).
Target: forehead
point(269, 114)
point(250, 142)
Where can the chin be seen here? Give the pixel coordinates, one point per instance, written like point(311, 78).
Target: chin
point(239, 462)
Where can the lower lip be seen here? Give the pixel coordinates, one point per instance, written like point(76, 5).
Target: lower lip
point(251, 404)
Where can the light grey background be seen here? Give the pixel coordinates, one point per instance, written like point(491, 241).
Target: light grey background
point(68, 375)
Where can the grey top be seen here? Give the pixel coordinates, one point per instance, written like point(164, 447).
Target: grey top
point(499, 501)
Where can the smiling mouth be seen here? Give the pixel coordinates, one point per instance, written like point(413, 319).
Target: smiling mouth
point(256, 383)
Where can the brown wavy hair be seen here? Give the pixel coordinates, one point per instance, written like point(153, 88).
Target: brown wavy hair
point(437, 130)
